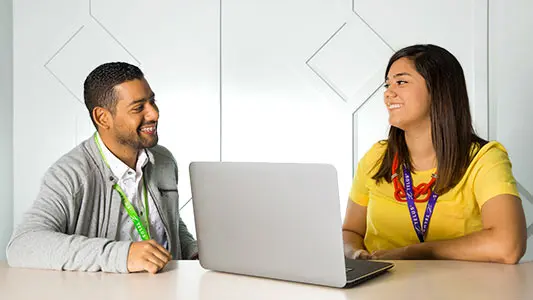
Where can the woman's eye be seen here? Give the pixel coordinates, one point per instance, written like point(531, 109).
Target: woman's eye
point(400, 82)
point(386, 85)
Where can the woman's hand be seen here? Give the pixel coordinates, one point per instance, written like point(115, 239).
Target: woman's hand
point(352, 253)
point(393, 254)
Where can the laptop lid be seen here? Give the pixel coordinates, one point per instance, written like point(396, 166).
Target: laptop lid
point(274, 220)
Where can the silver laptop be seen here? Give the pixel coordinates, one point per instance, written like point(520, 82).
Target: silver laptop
point(274, 220)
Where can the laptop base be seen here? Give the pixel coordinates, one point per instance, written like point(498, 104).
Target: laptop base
point(359, 271)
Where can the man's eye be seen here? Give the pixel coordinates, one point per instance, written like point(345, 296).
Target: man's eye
point(139, 108)
point(400, 82)
point(386, 85)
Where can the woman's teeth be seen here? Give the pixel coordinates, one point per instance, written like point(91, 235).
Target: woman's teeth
point(393, 106)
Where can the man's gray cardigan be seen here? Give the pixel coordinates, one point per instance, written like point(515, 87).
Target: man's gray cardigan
point(72, 224)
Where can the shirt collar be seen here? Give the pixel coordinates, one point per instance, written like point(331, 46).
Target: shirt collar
point(118, 167)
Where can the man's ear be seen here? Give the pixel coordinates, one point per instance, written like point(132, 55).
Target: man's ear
point(102, 117)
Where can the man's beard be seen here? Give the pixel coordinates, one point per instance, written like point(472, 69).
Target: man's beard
point(136, 140)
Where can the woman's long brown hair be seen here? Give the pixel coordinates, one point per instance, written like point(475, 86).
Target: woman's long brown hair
point(451, 123)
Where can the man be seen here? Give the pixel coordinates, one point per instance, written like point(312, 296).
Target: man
point(110, 204)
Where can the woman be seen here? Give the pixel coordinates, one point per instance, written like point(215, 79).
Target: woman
point(433, 189)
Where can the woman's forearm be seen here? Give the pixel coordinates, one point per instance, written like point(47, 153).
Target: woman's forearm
point(354, 239)
point(486, 245)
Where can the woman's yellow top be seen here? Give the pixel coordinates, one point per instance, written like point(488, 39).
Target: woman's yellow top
point(457, 212)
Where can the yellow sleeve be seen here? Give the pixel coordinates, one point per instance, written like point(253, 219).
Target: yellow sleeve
point(495, 176)
point(360, 192)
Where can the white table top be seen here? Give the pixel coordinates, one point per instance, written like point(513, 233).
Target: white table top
point(187, 280)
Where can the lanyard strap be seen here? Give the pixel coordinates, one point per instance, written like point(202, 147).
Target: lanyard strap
point(421, 231)
point(142, 229)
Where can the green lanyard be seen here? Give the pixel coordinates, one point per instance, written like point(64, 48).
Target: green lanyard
point(142, 229)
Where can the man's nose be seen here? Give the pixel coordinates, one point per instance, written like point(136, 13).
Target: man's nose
point(152, 112)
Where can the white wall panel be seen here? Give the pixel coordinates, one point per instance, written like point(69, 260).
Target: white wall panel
point(370, 124)
point(275, 107)
point(6, 124)
point(510, 67)
point(43, 126)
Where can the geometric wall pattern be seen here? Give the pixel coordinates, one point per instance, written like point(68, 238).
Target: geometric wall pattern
point(239, 80)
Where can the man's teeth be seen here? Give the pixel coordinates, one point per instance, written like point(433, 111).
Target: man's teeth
point(392, 106)
point(148, 129)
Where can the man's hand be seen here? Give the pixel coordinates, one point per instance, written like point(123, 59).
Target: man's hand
point(147, 256)
point(195, 256)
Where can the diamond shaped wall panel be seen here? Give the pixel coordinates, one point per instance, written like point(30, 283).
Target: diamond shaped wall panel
point(89, 48)
point(350, 60)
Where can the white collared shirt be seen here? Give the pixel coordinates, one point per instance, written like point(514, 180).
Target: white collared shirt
point(130, 181)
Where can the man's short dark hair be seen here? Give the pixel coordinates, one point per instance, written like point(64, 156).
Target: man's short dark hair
point(98, 89)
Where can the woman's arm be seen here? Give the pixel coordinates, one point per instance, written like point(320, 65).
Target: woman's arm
point(502, 240)
point(354, 227)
